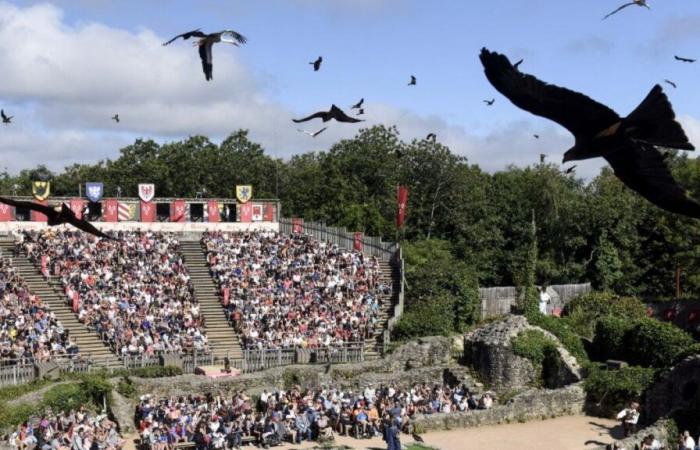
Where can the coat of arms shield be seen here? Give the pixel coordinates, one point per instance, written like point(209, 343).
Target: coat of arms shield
point(244, 192)
point(41, 189)
point(147, 191)
point(94, 191)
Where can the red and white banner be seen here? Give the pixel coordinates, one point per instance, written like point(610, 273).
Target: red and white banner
point(77, 205)
point(297, 225)
point(213, 211)
point(257, 213)
point(6, 213)
point(402, 201)
point(246, 212)
point(75, 300)
point(178, 210)
point(37, 216)
point(148, 211)
point(109, 210)
point(357, 241)
point(227, 295)
point(269, 213)
point(125, 212)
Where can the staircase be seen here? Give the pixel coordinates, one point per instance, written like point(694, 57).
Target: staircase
point(223, 340)
point(391, 274)
point(51, 293)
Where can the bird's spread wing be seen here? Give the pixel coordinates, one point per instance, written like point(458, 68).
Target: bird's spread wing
point(340, 116)
point(238, 37)
point(2, 114)
point(205, 55)
point(643, 169)
point(319, 115)
point(576, 112)
point(189, 34)
point(86, 226)
point(618, 9)
point(44, 209)
point(319, 132)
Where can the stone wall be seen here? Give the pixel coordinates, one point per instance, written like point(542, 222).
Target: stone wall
point(677, 395)
point(529, 405)
point(658, 429)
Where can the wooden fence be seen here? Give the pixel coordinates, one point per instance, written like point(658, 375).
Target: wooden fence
point(496, 301)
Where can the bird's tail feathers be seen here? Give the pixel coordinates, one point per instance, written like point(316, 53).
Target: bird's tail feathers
point(656, 118)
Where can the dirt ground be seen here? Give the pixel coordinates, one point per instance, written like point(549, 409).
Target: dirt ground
point(563, 433)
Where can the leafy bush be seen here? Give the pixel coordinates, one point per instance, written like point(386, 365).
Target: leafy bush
point(609, 391)
point(426, 319)
point(690, 351)
point(10, 417)
point(608, 341)
point(651, 343)
point(561, 329)
point(126, 387)
point(65, 397)
point(583, 312)
point(542, 351)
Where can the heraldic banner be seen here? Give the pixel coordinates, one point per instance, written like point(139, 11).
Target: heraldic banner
point(37, 216)
point(41, 189)
point(213, 211)
point(244, 192)
point(357, 241)
point(110, 210)
point(148, 211)
point(401, 203)
point(269, 213)
point(246, 213)
point(178, 210)
point(297, 225)
point(77, 205)
point(5, 213)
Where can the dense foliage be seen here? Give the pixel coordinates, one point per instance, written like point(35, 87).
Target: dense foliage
point(541, 351)
point(563, 331)
point(609, 391)
point(583, 312)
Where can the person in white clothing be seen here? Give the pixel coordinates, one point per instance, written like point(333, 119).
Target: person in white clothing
point(629, 417)
point(687, 441)
point(545, 298)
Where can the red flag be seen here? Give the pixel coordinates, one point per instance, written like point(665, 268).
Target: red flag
point(111, 210)
point(213, 211)
point(148, 211)
point(357, 241)
point(5, 213)
point(227, 295)
point(246, 212)
point(44, 264)
point(76, 301)
point(402, 201)
point(76, 205)
point(269, 213)
point(177, 211)
point(297, 225)
point(37, 216)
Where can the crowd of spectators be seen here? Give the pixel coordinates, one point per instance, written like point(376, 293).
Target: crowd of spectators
point(285, 291)
point(68, 430)
point(225, 422)
point(28, 329)
point(134, 291)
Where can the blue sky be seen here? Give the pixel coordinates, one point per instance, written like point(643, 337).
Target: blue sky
point(370, 48)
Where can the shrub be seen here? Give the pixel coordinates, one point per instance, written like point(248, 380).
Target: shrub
point(690, 351)
point(608, 341)
point(126, 387)
point(65, 397)
point(157, 371)
point(11, 417)
point(583, 312)
point(542, 351)
point(559, 327)
point(651, 343)
point(426, 319)
point(609, 391)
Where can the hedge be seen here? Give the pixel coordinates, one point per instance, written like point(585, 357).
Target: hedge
point(583, 312)
point(608, 342)
point(541, 351)
point(609, 391)
point(566, 335)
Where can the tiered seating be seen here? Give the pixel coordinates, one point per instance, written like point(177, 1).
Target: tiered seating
point(28, 329)
point(287, 291)
point(135, 291)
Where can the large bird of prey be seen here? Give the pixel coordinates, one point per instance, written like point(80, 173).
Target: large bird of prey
point(312, 134)
point(334, 113)
point(5, 119)
point(680, 58)
point(115, 118)
point(413, 81)
point(489, 102)
point(207, 41)
point(57, 215)
point(627, 143)
point(632, 3)
point(317, 63)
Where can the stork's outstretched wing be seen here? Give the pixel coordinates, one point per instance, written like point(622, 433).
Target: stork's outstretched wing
point(339, 115)
point(87, 227)
point(38, 207)
point(206, 56)
point(619, 9)
point(238, 37)
point(319, 115)
point(643, 169)
point(185, 36)
point(576, 112)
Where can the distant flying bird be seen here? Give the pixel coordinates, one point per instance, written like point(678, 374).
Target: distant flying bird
point(632, 3)
point(688, 60)
point(115, 118)
point(312, 134)
point(489, 102)
point(430, 136)
point(627, 143)
point(5, 119)
point(671, 83)
point(57, 215)
point(542, 157)
point(334, 113)
point(317, 63)
point(536, 136)
point(360, 112)
point(570, 170)
point(358, 105)
point(206, 42)
point(413, 81)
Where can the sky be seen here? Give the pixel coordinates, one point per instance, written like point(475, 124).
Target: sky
point(69, 66)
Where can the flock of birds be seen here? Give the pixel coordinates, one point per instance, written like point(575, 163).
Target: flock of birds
point(629, 144)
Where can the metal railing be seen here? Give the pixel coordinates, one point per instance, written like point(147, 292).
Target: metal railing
point(256, 360)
